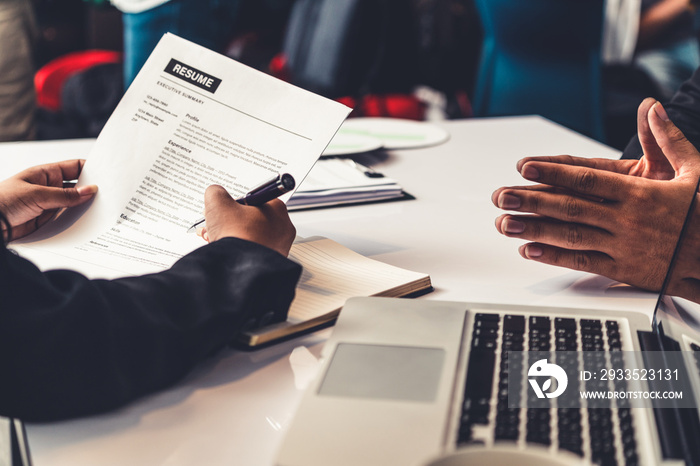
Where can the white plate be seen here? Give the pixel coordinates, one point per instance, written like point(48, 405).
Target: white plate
point(396, 133)
point(345, 144)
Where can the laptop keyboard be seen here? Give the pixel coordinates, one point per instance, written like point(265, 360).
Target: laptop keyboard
point(603, 434)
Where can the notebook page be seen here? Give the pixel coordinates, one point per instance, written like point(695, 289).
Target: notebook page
point(333, 273)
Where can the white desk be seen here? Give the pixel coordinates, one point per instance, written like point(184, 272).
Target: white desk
point(234, 408)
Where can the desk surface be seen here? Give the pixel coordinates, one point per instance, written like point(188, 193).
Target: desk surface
point(233, 409)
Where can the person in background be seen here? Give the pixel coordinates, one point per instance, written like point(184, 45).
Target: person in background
point(209, 23)
point(617, 218)
point(70, 346)
point(683, 110)
point(649, 48)
point(18, 34)
point(667, 46)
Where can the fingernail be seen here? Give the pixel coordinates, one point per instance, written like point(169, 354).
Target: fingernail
point(661, 111)
point(87, 190)
point(532, 251)
point(508, 201)
point(529, 172)
point(512, 226)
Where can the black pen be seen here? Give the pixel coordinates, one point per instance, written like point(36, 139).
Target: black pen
point(269, 190)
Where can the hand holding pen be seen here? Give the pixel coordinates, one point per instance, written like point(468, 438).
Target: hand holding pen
point(269, 190)
point(268, 225)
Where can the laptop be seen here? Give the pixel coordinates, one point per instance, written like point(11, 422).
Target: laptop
point(404, 382)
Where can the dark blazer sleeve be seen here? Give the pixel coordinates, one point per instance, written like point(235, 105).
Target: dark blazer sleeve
point(70, 346)
point(684, 110)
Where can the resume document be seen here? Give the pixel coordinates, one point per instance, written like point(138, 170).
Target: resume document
point(190, 119)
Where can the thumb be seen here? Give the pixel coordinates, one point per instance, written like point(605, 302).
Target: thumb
point(681, 154)
point(55, 198)
point(650, 148)
point(216, 197)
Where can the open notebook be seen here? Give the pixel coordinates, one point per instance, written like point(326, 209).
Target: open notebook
point(332, 274)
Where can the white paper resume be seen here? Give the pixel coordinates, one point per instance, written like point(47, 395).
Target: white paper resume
point(190, 119)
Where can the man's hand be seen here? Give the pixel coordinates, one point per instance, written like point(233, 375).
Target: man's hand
point(32, 197)
point(268, 224)
point(653, 164)
point(594, 216)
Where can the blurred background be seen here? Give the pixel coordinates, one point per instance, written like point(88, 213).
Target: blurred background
point(586, 64)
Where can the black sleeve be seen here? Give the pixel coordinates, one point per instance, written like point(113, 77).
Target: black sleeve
point(70, 346)
point(684, 110)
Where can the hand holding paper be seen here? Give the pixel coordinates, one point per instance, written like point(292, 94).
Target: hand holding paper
point(32, 197)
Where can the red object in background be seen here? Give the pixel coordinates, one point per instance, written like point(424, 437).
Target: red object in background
point(348, 102)
point(386, 105)
point(465, 105)
point(49, 80)
point(279, 67)
point(371, 105)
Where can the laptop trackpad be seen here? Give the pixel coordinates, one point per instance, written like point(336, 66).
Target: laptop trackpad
point(402, 373)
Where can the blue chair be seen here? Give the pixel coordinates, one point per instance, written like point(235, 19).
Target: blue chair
point(542, 57)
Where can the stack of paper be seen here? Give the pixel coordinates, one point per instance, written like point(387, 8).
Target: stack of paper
point(343, 181)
